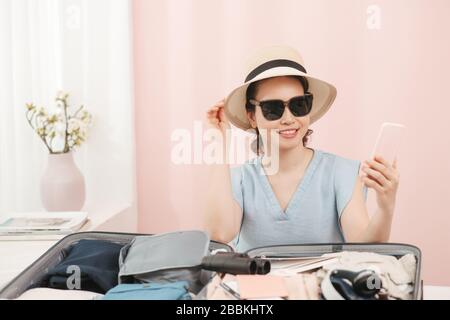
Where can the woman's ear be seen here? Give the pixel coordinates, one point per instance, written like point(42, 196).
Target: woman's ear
point(251, 119)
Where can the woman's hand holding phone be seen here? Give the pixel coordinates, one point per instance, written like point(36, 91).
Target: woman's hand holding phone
point(380, 172)
point(384, 178)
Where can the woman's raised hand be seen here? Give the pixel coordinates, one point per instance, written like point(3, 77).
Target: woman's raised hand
point(216, 116)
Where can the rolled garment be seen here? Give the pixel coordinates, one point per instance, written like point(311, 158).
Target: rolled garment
point(150, 291)
point(97, 262)
point(58, 294)
point(166, 258)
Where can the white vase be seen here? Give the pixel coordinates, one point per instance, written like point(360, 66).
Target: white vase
point(62, 185)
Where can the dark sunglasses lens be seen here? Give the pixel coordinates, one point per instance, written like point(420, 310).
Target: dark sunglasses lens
point(300, 106)
point(272, 110)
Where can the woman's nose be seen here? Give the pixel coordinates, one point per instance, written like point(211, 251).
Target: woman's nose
point(287, 116)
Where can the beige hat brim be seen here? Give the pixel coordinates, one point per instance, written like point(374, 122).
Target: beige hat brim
point(323, 96)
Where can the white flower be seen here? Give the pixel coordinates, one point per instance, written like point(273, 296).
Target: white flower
point(60, 129)
point(62, 95)
point(52, 119)
point(42, 112)
point(74, 124)
point(69, 129)
point(40, 132)
point(30, 107)
point(59, 110)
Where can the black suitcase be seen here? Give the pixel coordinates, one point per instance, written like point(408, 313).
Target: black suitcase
point(38, 269)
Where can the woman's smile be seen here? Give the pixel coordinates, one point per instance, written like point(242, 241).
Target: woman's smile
point(288, 133)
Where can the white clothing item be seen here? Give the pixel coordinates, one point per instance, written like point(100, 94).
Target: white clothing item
point(397, 275)
point(58, 294)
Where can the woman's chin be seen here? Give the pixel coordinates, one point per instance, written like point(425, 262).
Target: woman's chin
point(289, 145)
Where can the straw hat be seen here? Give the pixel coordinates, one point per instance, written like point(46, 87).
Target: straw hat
point(275, 61)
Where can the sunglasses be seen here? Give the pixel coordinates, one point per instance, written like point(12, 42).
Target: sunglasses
point(272, 110)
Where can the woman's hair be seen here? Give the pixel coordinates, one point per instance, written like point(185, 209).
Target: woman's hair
point(251, 93)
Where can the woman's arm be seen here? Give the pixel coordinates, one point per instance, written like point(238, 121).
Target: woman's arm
point(355, 221)
point(222, 213)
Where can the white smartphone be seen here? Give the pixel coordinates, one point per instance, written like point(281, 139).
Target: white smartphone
point(388, 141)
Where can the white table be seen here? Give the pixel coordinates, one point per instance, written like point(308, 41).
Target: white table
point(18, 254)
point(436, 293)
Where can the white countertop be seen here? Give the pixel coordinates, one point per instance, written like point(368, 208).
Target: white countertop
point(19, 252)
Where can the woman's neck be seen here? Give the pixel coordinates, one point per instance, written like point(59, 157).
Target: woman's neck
point(292, 159)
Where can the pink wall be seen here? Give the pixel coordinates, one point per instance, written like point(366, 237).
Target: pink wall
point(188, 55)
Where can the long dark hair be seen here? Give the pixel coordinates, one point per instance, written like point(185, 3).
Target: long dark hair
point(251, 93)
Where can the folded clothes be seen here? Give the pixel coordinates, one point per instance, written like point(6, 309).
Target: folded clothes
point(397, 275)
point(166, 258)
point(97, 262)
point(391, 278)
point(213, 290)
point(261, 286)
point(150, 291)
point(58, 294)
point(303, 287)
point(231, 287)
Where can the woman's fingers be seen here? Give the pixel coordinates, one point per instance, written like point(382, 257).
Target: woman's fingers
point(221, 113)
point(372, 184)
point(220, 103)
point(382, 166)
point(376, 175)
point(212, 110)
point(213, 116)
point(216, 115)
point(381, 176)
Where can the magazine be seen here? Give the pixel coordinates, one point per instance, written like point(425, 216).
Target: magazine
point(31, 223)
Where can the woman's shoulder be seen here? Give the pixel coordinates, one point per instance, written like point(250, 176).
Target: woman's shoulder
point(337, 160)
point(341, 169)
point(248, 167)
point(326, 161)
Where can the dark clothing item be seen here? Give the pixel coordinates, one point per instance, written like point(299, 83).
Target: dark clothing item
point(97, 261)
point(150, 291)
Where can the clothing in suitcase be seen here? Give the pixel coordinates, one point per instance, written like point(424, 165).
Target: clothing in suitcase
point(54, 269)
point(37, 274)
point(327, 271)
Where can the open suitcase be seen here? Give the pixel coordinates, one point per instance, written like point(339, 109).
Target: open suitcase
point(32, 275)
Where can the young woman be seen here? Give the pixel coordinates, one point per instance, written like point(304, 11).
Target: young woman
point(315, 196)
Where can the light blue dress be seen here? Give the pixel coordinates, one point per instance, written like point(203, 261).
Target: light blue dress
point(313, 212)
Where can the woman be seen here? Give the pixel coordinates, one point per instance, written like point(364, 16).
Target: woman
point(314, 196)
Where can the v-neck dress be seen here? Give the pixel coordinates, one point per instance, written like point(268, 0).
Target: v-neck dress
point(313, 212)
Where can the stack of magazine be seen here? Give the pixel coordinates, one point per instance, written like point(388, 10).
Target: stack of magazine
point(41, 224)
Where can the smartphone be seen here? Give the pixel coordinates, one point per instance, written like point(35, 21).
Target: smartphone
point(389, 140)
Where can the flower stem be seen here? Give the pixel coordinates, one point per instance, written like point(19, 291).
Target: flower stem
point(42, 138)
point(76, 113)
point(66, 144)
